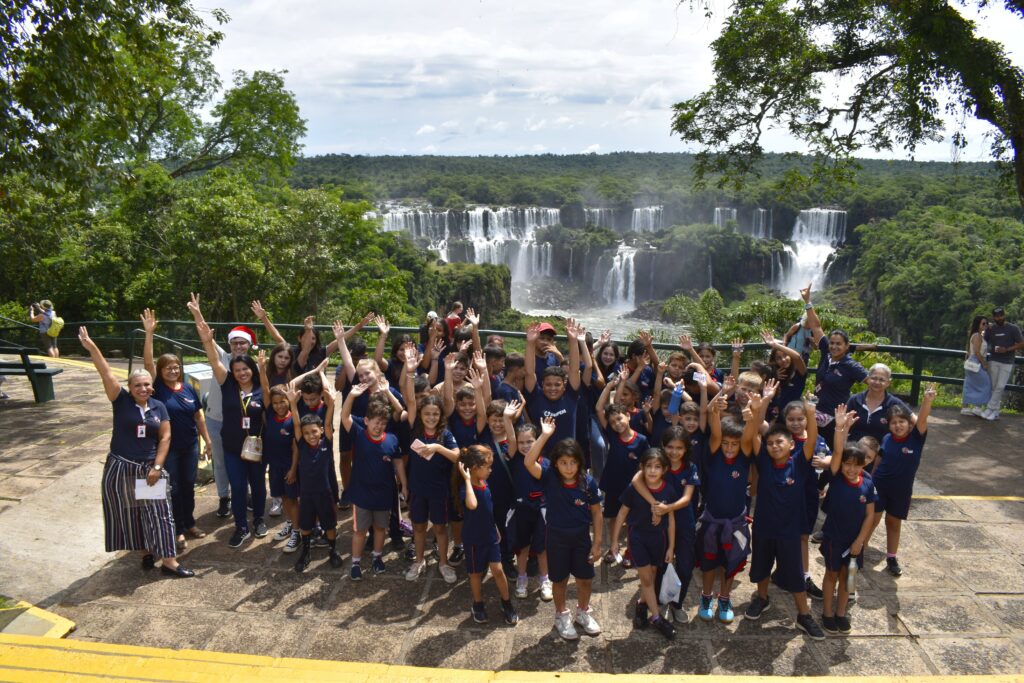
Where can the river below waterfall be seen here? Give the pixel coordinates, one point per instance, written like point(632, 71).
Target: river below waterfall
point(596, 320)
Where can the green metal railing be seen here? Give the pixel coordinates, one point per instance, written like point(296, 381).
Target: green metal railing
point(126, 337)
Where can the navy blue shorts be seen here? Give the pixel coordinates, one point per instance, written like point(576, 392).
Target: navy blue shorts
point(893, 499)
point(833, 551)
point(527, 528)
point(344, 440)
point(569, 553)
point(812, 505)
point(612, 505)
point(648, 549)
point(424, 508)
point(317, 506)
point(279, 487)
point(480, 556)
point(712, 561)
point(784, 555)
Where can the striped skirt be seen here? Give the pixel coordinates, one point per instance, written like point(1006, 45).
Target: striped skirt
point(130, 524)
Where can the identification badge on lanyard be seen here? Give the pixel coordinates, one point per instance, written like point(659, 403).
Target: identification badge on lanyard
point(245, 423)
point(140, 431)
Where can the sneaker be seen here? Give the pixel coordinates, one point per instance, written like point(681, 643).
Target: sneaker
point(563, 624)
point(224, 509)
point(853, 598)
point(843, 624)
point(756, 608)
point(812, 589)
point(611, 559)
point(678, 614)
point(303, 562)
point(967, 411)
point(275, 507)
point(356, 573)
point(336, 560)
point(415, 571)
point(626, 560)
point(522, 583)
point(319, 540)
point(458, 554)
point(294, 541)
point(828, 624)
point(343, 503)
point(479, 613)
point(977, 411)
point(892, 565)
point(585, 619)
point(990, 415)
point(725, 613)
point(447, 573)
point(640, 615)
point(410, 551)
point(378, 565)
point(706, 612)
point(663, 627)
point(260, 529)
point(239, 537)
point(546, 590)
point(284, 532)
point(816, 536)
point(508, 612)
point(807, 624)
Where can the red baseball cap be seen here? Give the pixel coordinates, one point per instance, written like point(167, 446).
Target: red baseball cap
point(545, 327)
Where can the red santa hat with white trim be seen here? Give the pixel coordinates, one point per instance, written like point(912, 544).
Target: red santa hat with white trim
point(243, 332)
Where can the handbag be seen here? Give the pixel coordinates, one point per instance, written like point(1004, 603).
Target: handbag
point(252, 449)
point(972, 365)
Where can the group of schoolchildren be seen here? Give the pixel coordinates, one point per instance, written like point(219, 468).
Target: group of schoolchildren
point(508, 457)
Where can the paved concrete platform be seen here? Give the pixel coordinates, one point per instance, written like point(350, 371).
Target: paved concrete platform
point(958, 609)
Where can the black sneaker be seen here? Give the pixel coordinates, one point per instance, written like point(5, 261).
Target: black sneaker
point(224, 509)
point(319, 540)
point(458, 554)
point(829, 625)
point(239, 537)
point(303, 561)
point(343, 503)
point(509, 613)
point(892, 565)
point(336, 560)
point(260, 530)
point(410, 551)
point(843, 624)
point(640, 616)
point(356, 573)
point(479, 613)
point(664, 627)
point(813, 590)
point(378, 565)
point(807, 624)
point(757, 607)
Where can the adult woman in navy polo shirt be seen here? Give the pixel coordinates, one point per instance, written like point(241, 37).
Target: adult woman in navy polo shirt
point(872, 404)
point(837, 373)
point(139, 442)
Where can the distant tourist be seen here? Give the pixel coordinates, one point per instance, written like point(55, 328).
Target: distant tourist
point(42, 314)
point(977, 383)
point(454, 318)
point(1003, 341)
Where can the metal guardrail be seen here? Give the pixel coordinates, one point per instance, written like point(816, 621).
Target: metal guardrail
point(123, 334)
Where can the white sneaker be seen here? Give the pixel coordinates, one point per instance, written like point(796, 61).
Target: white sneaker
point(447, 573)
point(275, 507)
point(563, 624)
point(967, 411)
point(521, 586)
point(977, 411)
point(293, 543)
point(546, 590)
point(991, 415)
point(587, 621)
point(415, 571)
point(284, 532)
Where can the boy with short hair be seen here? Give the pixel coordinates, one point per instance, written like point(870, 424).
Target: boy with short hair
point(312, 465)
point(558, 391)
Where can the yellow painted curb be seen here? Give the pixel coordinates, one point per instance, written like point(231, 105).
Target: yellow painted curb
point(59, 626)
point(119, 372)
point(1012, 499)
point(25, 658)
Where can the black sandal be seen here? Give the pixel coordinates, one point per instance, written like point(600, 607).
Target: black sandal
point(148, 561)
point(179, 572)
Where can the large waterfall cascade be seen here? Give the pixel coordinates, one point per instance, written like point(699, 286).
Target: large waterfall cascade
point(816, 234)
point(615, 278)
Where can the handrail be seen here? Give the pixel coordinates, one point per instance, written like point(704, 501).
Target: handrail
point(176, 344)
point(19, 322)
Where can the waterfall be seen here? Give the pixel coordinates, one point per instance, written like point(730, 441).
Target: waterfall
point(723, 215)
point(711, 281)
point(646, 219)
point(570, 263)
point(619, 283)
point(601, 218)
point(816, 234)
point(762, 224)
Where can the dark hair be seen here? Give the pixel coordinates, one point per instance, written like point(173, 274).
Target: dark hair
point(429, 400)
point(497, 407)
point(493, 351)
point(636, 348)
point(654, 454)
point(570, 448)
point(460, 358)
point(311, 385)
point(689, 408)
point(606, 369)
point(248, 362)
point(396, 346)
point(311, 419)
point(841, 333)
point(899, 410)
point(377, 407)
point(357, 348)
point(732, 427)
point(514, 361)
point(279, 390)
point(677, 433)
point(283, 347)
point(528, 427)
point(779, 428)
point(633, 387)
point(854, 452)
point(163, 361)
point(464, 393)
point(615, 407)
point(791, 406)
point(870, 443)
point(764, 369)
point(976, 323)
point(464, 333)
point(316, 336)
point(555, 371)
point(705, 346)
point(474, 456)
point(420, 384)
point(496, 340)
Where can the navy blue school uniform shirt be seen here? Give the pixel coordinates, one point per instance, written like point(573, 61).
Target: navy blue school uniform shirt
point(686, 475)
point(622, 459)
point(527, 488)
point(780, 495)
point(660, 424)
point(315, 358)
point(900, 458)
point(726, 485)
point(182, 406)
point(500, 481)
point(792, 389)
point(569, 504)
point(465, 433)
point(373, 469)
point(835, 379)
point(237, 408)
point(315, 467)
point(126, 440)
point(278, 437)
point(432, 477)
point(872, 422)
point(542, 363)
point(563, 410)
point(638, 420)
point(639, 517)
point(846, 506)
point(646, 382)
point(478, 526)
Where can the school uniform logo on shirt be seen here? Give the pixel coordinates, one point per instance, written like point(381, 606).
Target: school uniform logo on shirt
point(548, 413)
point(579, 503)
point(789, 481)
point(906, 451)
point(863, 499)
point(735, 474)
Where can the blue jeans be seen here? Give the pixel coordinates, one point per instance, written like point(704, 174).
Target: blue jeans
point(598, 449)
point(246, 476)
point(220, 472)
point(181, 465)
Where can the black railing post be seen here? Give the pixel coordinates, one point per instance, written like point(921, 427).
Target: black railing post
point(131, 350)
point(915, 383)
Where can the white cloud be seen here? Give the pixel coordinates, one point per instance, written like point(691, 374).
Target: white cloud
point(429, 149)
point(591, 149)
point(485, 125)
point(533, 124)
point(538, 149)
point(564, 121)
point(451, 126)
point(425, 129)
point(654, 96)
point(489, 99)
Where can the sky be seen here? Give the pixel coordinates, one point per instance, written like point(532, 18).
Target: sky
point(480, 77)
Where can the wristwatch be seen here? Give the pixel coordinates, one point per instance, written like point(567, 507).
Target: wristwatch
point(158, 468)
point(808, 306)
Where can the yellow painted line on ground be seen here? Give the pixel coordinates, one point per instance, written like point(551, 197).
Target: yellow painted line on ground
point(24, 658)
point(1012, 499)
point(59, 626)
point(119, 372)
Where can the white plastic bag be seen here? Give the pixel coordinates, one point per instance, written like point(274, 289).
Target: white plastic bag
point(670, 586)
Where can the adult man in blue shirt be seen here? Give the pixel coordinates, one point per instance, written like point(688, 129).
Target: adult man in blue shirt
point(1003, 341)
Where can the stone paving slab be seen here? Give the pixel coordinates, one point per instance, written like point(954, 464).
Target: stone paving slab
point(956, 610)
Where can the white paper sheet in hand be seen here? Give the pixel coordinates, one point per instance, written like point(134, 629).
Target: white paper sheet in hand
point(143, 491)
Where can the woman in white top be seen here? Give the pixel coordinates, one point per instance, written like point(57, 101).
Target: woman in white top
point(977, 384)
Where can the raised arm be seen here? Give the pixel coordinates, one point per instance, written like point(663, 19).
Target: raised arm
point(448, 390)
point(572, 331)
point(530, 460)
point(480, 363)
point(346, 408)
point(328, 398)
point(511, 413)
point(530, 381)
point(378, 352)
point(261, 363)
point(844, 421)
point(474, 320)
point(703, 384)
point(686, 344)
point(351, 332)
point(261, 315)
point(479, 381)
point(346, 357)
point(926, 408)
point(297, 381)
point(470, 493)
point(149, 326)
point(408, 385)
point(603, 399)
point(718, 405)
point(398, 410)
point(737, 351)
point(307, 340)
point(799, 367)
point(220, 372)
point(587, 374)
point(813, 322)
point(652, 354)
point(110, 384)
point(810, 411)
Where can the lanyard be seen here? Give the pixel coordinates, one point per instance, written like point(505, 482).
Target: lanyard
point(245, 401)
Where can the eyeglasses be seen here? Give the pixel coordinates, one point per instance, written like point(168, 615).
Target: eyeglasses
point(875, 378)
point(173, 368)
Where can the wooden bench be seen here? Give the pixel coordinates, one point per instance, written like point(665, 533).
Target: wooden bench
point(39, 376)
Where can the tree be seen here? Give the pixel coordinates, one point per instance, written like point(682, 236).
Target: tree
point(774, 60)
